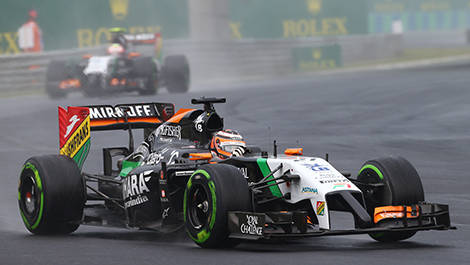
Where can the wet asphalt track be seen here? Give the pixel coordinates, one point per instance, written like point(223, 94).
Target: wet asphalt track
point(421, 114)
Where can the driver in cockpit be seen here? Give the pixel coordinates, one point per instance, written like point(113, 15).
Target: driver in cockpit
point(227, 143)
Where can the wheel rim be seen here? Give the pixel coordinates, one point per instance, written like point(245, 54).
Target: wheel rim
point(29, 196)
point(199, 207)
point(369, 175)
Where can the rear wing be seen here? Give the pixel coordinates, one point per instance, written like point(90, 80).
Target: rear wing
point(121, 116)
point(143, 38)
point(76, 123)
point(154, 39)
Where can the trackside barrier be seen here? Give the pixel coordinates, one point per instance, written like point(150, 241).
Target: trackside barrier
point(224, 61)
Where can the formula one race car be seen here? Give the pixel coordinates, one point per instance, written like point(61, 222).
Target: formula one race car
point(121, 69)
point(176, 178)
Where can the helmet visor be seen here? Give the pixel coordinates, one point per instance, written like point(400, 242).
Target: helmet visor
point(231, 145)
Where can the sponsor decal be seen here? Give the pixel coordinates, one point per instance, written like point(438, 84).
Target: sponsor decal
point(153, 159)
point(72, 121)
point(119, 8)
point(244, 171)
point(165, 212)
point(316, 167)
point(341, 185)
point(251, 226)
point(134, 111)
point(174, 155)
point(309, 190)
point(320, 208)
point(137, 201)
point(390, 215)
point(134, 188)
point(77, 139)
point(198, 123)
point(167, 130)
point(168, 112)
point(326, 175)
point(335, 181)
point(314, 6)
point(69, 120)
point(140, 37)
point(10, 43)
point(184, 173)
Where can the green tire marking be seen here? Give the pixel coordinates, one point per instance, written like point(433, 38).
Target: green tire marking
point(375, 169)
point(41, 206)
point(381, 176)
point(212, 188)
point(204, 234)
point(263, 166)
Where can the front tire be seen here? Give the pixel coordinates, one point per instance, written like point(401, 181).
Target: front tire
point(51, 195)
point(211, 192)
point(402, 186)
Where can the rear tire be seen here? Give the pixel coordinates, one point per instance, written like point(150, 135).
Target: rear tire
point(402, 187)
point(51, 195)
point(56, 73)
point(212, 191)
point(145, 67)
point(176, 73)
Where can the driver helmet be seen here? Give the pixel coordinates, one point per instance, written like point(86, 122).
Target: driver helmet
point(227, 143)
point(115, 49)
point(117, 36)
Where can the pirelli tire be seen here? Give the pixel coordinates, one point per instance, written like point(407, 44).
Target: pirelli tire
point(211, 192)
point(402, 186)
point(51, 195)
point(56, 72)
point(176, 73)
point(146, 67)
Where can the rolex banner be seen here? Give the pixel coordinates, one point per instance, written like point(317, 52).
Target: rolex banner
point(281, 19)
point(317, 58)
point(86, 23)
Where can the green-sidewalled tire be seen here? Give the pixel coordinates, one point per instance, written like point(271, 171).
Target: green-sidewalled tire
point(402, 186)
point(51, 195)
point(212, 191)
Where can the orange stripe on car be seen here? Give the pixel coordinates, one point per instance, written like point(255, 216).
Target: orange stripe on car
point(294, 151)
point(115, 121)
point(200, 156)
point(393, 212)
point(179, 115)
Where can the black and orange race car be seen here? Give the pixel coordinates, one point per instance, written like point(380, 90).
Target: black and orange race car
point(120, 69)
point(174, 179)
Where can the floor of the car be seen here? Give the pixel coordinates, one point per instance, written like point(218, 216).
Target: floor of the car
point(101, 215)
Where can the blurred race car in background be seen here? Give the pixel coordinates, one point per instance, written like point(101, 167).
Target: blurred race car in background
point(121, 69)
